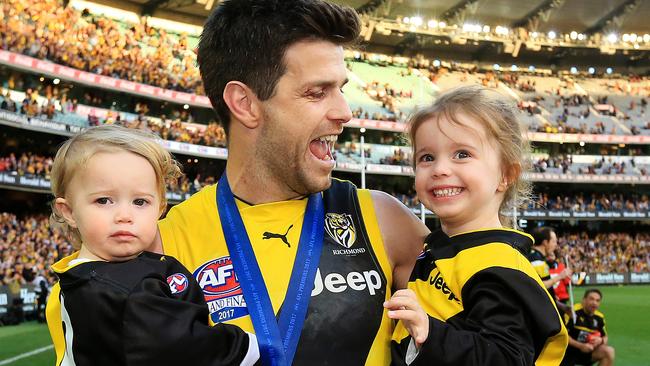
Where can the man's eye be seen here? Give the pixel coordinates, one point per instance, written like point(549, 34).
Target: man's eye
point(140, 202)
point(316, 94)
point(103, 200)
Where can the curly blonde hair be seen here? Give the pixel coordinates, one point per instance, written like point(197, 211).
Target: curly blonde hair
point(499, 116)
point(76, 151)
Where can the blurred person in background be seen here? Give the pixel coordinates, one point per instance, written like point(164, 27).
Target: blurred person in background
point(588, 335)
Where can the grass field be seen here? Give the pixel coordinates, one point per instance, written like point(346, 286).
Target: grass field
point(627, 311)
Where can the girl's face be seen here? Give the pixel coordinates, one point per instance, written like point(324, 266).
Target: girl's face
point(114, 202)
point(458, 173)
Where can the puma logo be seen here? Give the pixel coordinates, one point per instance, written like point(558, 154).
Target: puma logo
point(268, 235)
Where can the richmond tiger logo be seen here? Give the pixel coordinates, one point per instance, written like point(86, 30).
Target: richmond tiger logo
point(341, 228)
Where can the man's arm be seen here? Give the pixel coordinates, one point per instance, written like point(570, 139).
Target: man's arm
point(403, 235)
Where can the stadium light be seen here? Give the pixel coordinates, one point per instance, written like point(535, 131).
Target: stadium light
point(513, 67)
point(574, 70)
point(636, 46)
point(442, 24)
point(531, 68)
point(552, 35)
point(56, 81)
point(612, 38)
point(432, 23)
point(581, 36)
point(416, 21)
point(573, 35)
point(582, 143)
point(626, 37)
point(406, 20)
point(436, 63)
point(496, 67)
point(592, 70)
point(646, 37)
point(609, 70)
point(534, 35)
point(486, 29)
point(186, 106)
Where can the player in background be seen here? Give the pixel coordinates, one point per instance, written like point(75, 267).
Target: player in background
point(473, 297)
point(588, 335)
point(545, 243)
point(116, 304)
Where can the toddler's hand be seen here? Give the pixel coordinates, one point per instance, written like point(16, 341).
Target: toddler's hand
point(404, 306)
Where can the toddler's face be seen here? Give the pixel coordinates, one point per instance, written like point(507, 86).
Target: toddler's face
point(114, 202)
point(458, 173)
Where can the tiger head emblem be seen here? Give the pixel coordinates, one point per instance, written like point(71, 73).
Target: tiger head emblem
point(341, 228)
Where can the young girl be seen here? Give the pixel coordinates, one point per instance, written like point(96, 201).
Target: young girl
point(116, 304)
point(473, 298)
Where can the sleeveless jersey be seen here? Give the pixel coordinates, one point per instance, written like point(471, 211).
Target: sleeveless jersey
point(346, 323)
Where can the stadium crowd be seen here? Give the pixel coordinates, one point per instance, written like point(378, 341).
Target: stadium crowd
point(49, 103)
point(28, 247)
point(47, 29)
point(606, 252)
point(593, 202)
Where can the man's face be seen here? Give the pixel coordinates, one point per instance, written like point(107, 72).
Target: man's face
point(304, 117)
point(551, 244)
point(591, 303)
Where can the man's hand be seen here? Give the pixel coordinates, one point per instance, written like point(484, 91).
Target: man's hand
point(566, 273)
point(404, 306)
point(596, 341)
point(586, 347)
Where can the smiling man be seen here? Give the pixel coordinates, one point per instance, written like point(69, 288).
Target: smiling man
point(279, 247)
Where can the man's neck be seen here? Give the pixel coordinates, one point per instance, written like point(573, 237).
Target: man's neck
point(254, 190)
point(540, 249)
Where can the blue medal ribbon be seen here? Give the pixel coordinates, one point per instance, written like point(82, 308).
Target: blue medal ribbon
point(277, 340)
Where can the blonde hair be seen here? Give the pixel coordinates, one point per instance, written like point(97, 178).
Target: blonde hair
point(76, 151)
point(499, 117)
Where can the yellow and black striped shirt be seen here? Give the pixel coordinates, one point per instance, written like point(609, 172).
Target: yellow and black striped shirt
point(486, 304)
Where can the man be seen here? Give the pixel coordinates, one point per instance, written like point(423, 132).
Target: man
point(587, 335)
point(273, 71)
point(556, 268)
point(545, 243)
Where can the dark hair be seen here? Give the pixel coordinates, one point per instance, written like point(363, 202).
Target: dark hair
point(245, 40)
point(592, 291)
point(541, 233)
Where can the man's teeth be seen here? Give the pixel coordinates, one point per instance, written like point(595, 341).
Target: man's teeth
point(329, 140)
point(447, 192)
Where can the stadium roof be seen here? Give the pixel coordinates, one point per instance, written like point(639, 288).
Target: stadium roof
point(622, 16)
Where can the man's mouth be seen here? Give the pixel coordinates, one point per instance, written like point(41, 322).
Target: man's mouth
point(322, 147)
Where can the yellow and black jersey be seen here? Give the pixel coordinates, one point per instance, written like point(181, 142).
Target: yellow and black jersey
point(585, 324)
point(538, 260)
point(346, 322)
point(486, 304)
point(144, 311)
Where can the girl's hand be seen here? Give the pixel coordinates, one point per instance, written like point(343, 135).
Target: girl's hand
point(404, 306)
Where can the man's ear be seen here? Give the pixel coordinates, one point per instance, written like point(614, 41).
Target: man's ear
point(62, 206)
point(510, 175)
point(243, 103)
